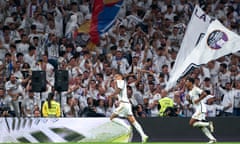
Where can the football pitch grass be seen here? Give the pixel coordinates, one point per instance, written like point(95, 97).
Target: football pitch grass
point(155, 143)
point(135, 143)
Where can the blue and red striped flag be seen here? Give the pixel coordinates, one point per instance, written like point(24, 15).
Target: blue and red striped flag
point(103, 17)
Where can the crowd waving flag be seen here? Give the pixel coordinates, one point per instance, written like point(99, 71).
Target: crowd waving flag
point(103, 17)
point(217, 42)
point(195, 31)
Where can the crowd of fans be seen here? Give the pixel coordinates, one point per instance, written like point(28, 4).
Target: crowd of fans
point(143, 45)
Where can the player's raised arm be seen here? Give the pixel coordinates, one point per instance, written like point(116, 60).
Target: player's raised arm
point(116, 88)
point(115, 93)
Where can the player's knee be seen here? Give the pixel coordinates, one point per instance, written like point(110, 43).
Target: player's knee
point(111, 118)
point(131, 119)
point(190, 123)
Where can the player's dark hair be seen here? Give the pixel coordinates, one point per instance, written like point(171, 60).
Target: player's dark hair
point(120, 75)
point(190, 79)
point(223, 65)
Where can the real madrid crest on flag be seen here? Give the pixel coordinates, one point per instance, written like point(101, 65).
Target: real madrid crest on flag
point(217, 42)
point(217, 39)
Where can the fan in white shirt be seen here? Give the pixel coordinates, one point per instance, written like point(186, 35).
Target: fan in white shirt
point(228, 99)
point(224, 75)
point(213, 67)
point(236, 107)
point(23, 46)
point(120, 63)
point(30, 57)
point(213, 109)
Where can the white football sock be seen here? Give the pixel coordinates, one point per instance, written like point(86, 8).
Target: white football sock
point(200, 124)
point(207, 133)
point(138, 128)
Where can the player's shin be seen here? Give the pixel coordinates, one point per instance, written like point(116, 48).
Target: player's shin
point(208, 133)
point(138, 128)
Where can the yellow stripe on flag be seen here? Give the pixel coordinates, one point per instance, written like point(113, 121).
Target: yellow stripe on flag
point(85, 27)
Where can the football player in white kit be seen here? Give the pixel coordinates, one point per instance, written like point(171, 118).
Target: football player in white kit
point(125, 108)
point(195, 96)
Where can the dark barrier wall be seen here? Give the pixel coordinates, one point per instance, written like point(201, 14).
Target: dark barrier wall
point(177, 129)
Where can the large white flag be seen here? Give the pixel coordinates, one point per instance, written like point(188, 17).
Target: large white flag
point(217, 42)
point(196, 29)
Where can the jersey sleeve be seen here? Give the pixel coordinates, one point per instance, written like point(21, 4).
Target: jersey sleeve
point(199, 90)
point(195, 93)
point(120, 84)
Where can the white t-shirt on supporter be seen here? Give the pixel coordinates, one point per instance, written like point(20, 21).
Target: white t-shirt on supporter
point(3, 51)
point(14, 87)
point(154, 109)
point(208, 88)
point(159, 61)
point(51, 30)
point(122, 96)
point(18, 74)
point(32, 35)
point(93, 93)
point(214, 73)
point(206, 72)
point(228, 99)
point(101, 110)
point(82, 67)
point(58, 19)
point(133, 86)
point(144, 5)
point(213, 109)
point(28, 105)
point(98, 67)
point(122, 11)
point(67, 111)
point(110, 110)
point(6, 101)
point(31, 60)
point(139, 97)
point(170, 16)
point(40, 26)
point(133, 101)
point(224, 78)
point(237, 98)
point(73, 72)
point(123, 66)
point(53, 51)
point(22, 47)
point(139, 54)
point(84, 8)
point(14, 35)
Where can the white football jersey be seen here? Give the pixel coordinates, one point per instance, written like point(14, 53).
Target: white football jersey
point(194, 95)
point(122, 96)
